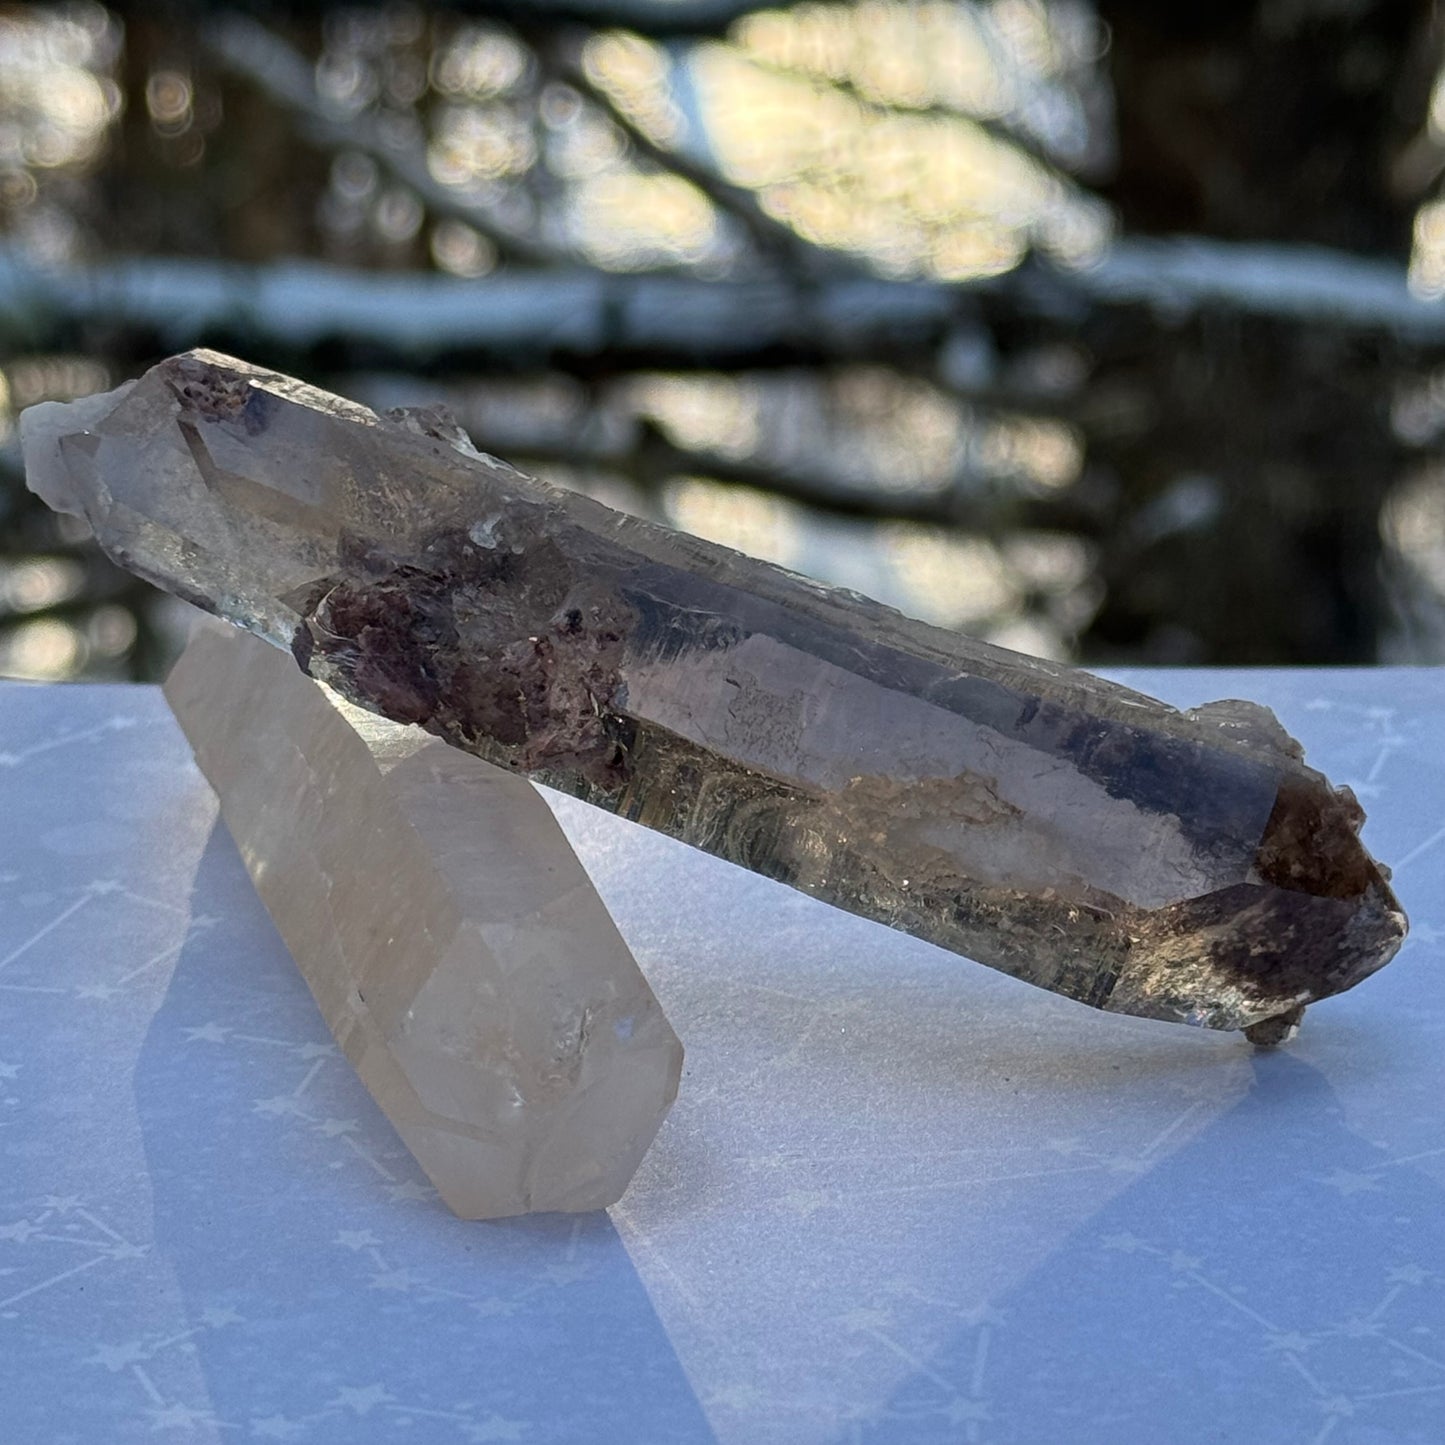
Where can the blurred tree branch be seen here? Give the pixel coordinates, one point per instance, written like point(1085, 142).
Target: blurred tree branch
point(649, 458)
point(260, 55)
point(774, 240)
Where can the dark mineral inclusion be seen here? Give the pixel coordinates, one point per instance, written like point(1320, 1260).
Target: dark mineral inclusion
point(1178, 865)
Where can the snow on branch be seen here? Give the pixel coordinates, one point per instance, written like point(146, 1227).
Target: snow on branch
point(526, 317)
point(512, 317)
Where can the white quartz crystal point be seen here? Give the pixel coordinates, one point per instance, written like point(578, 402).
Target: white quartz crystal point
point(460, 954)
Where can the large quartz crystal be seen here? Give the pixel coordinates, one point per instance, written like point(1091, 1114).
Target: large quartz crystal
point(456, 947)
point(1085, 838)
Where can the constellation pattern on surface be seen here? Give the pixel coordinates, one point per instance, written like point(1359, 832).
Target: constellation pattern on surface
point(887, 1207)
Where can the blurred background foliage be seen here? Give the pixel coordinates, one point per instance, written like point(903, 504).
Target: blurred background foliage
point(1105, 329)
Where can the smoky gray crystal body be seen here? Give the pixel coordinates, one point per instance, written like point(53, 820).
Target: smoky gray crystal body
point(1071, 832)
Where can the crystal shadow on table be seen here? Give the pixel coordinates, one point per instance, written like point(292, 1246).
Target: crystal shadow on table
point(1272, 1254)
point(281, 1195)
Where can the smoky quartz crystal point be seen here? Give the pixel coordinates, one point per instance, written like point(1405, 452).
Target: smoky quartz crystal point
point(1185, 866)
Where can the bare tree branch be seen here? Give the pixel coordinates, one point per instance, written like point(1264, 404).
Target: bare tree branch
point(652, 458)
point(598, 431)
point(250, 49)
point(773, 237)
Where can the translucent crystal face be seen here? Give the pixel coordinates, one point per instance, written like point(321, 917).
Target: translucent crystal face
point(459, 953)
point(1071, 832)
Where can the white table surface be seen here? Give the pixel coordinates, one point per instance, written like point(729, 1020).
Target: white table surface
point(900, 1198)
